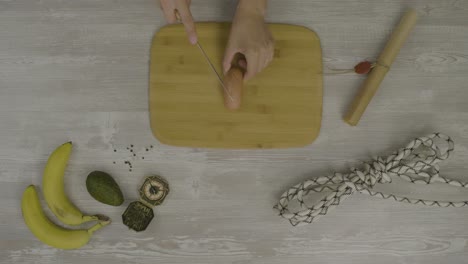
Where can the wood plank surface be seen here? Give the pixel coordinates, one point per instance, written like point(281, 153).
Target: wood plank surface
point(281, 107)
point(78, 70)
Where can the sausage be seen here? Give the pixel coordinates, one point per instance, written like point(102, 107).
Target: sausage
point(233, 81)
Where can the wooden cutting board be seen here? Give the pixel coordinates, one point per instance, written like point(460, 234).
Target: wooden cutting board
point(281, 107)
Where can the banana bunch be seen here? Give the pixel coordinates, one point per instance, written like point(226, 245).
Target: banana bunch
point(53, 188)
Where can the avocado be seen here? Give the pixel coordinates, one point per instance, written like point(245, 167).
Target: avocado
point(102, 187)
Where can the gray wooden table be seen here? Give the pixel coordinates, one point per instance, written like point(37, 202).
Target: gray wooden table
point(78, 70)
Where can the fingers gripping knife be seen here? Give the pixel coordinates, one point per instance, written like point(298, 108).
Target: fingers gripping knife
point(227, 93)
point(233, 81)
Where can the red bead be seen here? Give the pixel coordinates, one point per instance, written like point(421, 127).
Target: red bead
point(363, 67)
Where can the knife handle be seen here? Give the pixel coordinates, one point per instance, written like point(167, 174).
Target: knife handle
point(234, 82)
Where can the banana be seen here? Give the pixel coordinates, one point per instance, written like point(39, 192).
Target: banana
point(47, 231)
point(53, 188)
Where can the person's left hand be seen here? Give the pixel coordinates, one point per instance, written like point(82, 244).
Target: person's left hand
point(251, 37)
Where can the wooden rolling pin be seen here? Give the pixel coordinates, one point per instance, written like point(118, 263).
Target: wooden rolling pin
point(382, 66)
point(234, 82)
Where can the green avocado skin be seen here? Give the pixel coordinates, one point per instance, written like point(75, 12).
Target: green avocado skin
point(102, 187)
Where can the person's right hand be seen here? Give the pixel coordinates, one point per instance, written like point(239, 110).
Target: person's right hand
point(182, 7)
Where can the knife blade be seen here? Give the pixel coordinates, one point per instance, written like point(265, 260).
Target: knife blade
point(214, 70)
point(208, 61)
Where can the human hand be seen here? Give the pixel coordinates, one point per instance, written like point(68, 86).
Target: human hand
point(182, 7)
point(251, 37)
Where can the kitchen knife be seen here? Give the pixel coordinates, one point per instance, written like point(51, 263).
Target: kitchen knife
point(209, 62)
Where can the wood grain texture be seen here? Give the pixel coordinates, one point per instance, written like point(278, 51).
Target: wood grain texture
point(281, 107)
point(78, 70)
